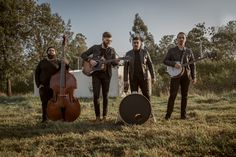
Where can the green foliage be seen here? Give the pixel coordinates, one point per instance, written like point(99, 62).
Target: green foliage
point(197, 40)
point(76, 47)
point(140, 29)
point(213, 76)
point(27, 29)
point(216, 76)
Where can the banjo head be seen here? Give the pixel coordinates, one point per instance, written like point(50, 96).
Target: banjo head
point(135, 109)
point(174, 72)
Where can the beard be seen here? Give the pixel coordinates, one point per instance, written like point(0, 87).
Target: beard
point(51, 56)
point(106, 45)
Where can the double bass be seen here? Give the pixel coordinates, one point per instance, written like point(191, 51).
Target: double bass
point(63, 105)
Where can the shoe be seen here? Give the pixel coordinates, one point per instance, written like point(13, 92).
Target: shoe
point(97, 120)
point(183, 117)
point(104, 118)
point(119, 123)
point(44, 120)
point(167, 117)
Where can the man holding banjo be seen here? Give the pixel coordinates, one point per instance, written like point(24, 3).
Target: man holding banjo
point(174, 59)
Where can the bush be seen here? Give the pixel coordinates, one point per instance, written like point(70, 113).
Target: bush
point(216, 77)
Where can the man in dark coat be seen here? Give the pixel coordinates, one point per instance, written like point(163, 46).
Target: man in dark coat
point(137, 68)
point(101, 79)
point(46, 68)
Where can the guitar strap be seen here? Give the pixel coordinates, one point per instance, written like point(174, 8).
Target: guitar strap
point(183, 54)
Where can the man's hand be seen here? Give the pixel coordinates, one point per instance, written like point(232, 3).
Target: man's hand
point(93, 62)
point(178, 66)
point(40, 86)
point(194, 81)
point(65, 61)
point(117, 61)
point(153, 81)
point(126, 86)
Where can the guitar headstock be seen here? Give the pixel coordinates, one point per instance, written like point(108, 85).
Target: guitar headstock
point(64, 41)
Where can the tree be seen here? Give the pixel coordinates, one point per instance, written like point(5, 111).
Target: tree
point(166, 42)
point(197, 40)
point(140, 29)
point(13, 34)
point(76, 47)
point(27, 29)
point(224, 40)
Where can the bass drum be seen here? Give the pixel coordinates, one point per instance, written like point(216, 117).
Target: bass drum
point(135, 109)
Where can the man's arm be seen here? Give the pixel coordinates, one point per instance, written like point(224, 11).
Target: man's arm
point(37, 73)
point(113, 53)
point(86, 54)
point(150, 67)
point(167, 61)
point(126, 69)
point(192, 66)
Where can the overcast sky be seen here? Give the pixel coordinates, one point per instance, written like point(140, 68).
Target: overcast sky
point(163, 17)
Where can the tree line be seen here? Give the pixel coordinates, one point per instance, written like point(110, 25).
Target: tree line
point(216, 75)
point(27, 29)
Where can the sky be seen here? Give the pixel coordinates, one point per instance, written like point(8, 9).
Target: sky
point(163, 17)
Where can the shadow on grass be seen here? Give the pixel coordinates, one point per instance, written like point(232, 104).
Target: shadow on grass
point(56, 128)
point(12, 100)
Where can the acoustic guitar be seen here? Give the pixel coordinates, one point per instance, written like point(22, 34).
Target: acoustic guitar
point(176, 73)
point(88, 69)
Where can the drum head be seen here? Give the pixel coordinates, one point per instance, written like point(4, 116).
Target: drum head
point(135, 109)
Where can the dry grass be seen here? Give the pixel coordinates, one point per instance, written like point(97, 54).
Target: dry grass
point(209, 131)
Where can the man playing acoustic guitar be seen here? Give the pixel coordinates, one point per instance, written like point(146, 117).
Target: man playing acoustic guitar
point(101, 79)
point(175, 57)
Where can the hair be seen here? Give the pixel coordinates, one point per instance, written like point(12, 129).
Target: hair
point(50, 48)
point(137, 38)
point(106, 35)
point(181, 33)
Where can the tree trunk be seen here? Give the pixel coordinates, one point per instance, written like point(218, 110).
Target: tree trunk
point(9, 92)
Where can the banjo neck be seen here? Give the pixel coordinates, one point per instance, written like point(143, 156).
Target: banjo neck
point(191, 62)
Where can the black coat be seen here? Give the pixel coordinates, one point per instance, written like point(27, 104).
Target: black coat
point(146, 65)
point(96, 52)
point(45, 70)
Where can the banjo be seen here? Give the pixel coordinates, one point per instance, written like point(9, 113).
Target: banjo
point(176, 73)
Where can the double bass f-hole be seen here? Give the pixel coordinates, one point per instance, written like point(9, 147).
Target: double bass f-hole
point(63, 105)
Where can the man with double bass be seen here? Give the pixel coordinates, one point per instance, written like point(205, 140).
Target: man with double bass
point(175, 57)
point(102, 78)
point(46, 68)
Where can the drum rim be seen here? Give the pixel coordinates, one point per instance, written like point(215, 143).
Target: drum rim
point(122, 101)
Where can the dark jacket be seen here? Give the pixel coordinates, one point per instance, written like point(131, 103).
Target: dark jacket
point(175, 54)
point(96, 52)
point(146, 65)
point(45, 69)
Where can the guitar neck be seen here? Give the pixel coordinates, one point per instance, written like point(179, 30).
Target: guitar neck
point(191, 62)
point(110, 60)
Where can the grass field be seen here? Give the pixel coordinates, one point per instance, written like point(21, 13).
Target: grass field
point(209, 131)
